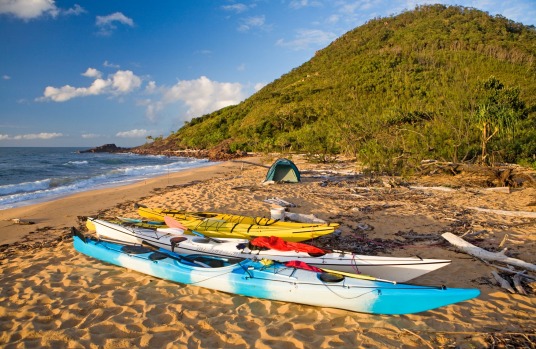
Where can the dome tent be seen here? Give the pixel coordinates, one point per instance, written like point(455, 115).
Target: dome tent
point(283, 170)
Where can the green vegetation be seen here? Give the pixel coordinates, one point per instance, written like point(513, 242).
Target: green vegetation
point(440, 82)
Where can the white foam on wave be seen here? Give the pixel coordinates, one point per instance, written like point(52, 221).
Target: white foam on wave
point(26, 193)
point(77, 163)
point(24, 187)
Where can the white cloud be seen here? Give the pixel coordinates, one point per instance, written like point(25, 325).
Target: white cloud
point(308, 37)
point(110, 65)
point(258, 86)
point(107, 24)
point(29, 136)
point(92, 73)
point(151, 108)
point(122, 82)
point(90, 135)
point(201, 96)
point(6, 77)
point(132, 133)
point(297, 4)
point(256, 22)
point(237, 8)
point(31, 9)
point(27, 10)
point(332, 19)
point(75, 10)
point(151, 87)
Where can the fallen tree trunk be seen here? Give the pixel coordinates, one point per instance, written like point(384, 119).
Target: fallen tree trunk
point(478, 252)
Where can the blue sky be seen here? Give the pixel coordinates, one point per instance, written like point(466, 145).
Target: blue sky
point(87, 72)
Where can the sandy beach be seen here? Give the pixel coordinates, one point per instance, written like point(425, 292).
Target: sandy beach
point(53, 297)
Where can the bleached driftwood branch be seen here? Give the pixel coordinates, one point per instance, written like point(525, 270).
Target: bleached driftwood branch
point(525, 214)
point(432, 188)
point(478, 252)
point(505, 190)
point(517, 283)
point(303, 218)
point(512, 271)
point(503, 282)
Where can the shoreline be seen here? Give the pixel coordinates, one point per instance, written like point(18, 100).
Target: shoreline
point(84, 204)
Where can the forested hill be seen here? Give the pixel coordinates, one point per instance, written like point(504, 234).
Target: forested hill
point(439, 82)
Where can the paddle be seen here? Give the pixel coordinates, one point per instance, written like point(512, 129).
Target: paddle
point(134, 221)
point(171, 255)
point(170, 221)
point(357, 276)
point(302, 265)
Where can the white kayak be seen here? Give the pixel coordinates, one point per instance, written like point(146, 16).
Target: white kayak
point(399, 269)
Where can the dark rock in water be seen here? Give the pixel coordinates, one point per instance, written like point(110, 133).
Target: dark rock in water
point(107, 148)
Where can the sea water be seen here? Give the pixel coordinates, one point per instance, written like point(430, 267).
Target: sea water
point(31, 175)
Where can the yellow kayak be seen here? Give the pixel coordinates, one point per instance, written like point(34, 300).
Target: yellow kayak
point(221, 229)
point(158, 214)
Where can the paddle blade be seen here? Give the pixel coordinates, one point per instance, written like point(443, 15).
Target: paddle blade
point(173, 223)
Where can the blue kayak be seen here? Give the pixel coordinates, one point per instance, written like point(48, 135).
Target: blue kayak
point(276, 281)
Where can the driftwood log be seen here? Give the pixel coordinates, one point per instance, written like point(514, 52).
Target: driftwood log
point(478, 252)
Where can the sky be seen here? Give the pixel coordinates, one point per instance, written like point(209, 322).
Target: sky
point(85, 73)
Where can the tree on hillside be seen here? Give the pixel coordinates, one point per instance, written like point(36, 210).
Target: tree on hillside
point(498, 114)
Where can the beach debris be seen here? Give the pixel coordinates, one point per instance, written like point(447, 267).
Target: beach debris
point(502, 282)
point(304, 218)
point(245, 187)
point(517, 283)
point(419, 337)
point(279, 202)
point(524, 214)
point(374, 208)
point(505, 190)
point(503, 241)
point(447, 189)
point(414, 236)
point(364, 226)
point(511, 270)
point(21, 221)
point(478, 252)
point(486, 256)
point(471, 233)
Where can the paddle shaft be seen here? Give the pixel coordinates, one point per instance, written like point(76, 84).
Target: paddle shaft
point(172, 256)
point(356, 276)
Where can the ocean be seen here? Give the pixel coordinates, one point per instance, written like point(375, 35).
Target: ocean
point(31, 175)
